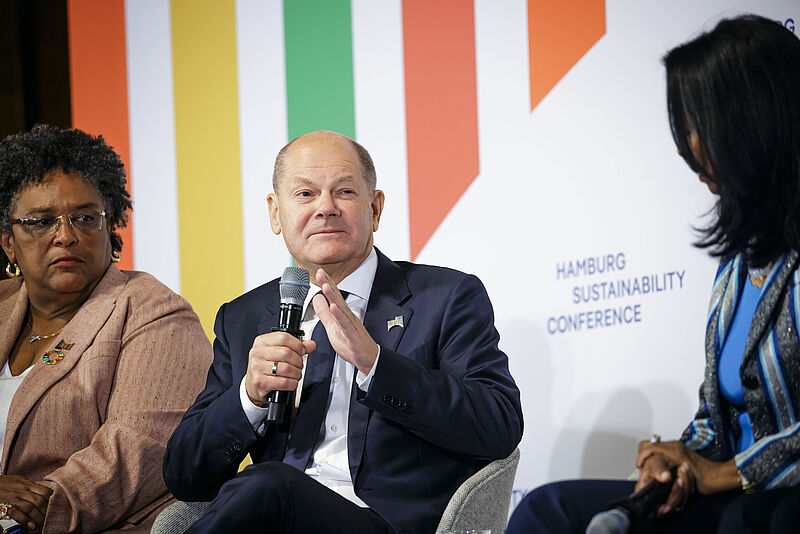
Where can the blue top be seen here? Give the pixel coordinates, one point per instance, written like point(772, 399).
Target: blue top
point(730, 361)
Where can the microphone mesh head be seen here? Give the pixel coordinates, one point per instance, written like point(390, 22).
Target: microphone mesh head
point(614, 521)
point(294, 286)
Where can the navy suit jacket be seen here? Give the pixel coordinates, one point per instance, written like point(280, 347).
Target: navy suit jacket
point(441, 403)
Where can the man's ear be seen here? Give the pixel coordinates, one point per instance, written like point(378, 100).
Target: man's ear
point(272, 207)
point(7, 242)
point(377, 208)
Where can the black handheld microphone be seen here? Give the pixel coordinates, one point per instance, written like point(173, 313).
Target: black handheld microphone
point(10, 526)
point(294, 289)
point(622, 514)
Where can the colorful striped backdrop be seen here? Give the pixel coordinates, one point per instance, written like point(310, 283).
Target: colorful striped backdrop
point(509, 136)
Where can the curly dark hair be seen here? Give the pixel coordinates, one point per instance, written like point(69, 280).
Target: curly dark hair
point(738, 88)
point(26, 157)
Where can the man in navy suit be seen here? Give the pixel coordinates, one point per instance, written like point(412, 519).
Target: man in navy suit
point(402, 392)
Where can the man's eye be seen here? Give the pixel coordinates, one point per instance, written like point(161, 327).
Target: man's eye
point(304, 193)
point(84, 217)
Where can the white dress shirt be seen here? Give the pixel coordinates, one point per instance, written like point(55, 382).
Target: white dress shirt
point(330, 464)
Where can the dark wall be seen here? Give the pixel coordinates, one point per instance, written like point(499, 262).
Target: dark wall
point(34, 64)
point(34, 68)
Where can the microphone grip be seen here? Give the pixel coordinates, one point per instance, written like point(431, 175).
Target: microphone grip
point(624, 513)
point(276, 405)
point(289, 322)
point(649, 498)
point(9, 526)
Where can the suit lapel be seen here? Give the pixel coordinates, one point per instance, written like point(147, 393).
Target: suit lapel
point(269, 318)
point(13, 307)
point(81, 331)
point(389, 293)
point(771, 296)
point(727, 289)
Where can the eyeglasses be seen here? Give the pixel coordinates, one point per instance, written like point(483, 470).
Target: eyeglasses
point(84, 221)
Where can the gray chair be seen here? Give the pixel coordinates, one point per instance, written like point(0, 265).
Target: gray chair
point(178, 517)
point(481, 502)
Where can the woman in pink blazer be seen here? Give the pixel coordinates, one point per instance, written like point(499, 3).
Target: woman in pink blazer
point(98, 365)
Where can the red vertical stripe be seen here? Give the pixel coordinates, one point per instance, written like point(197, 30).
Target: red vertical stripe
point(559, 34)
point(99, 82)
point(441, 110)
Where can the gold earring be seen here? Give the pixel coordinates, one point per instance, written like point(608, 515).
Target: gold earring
point(115, 257)
point(15, 273)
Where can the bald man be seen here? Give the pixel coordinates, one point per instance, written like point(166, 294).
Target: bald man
point(403, 392)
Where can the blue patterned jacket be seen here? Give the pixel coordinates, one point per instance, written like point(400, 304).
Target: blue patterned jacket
point(770, 375)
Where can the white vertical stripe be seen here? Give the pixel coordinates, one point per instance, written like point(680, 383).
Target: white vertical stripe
point(262, 131)
point(152, 137)
point(379, 85)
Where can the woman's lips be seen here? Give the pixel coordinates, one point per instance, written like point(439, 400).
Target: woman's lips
point(67, 260)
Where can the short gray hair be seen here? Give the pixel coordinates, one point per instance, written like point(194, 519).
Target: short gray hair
point(367, 165)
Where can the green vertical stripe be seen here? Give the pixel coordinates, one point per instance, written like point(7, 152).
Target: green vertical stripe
point(319, 66)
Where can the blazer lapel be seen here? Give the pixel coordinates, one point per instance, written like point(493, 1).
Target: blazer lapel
point(270, 316)
point(80, 331)
point(13, 308)
point(389, 293)
point(727, 289)
point(771, 296)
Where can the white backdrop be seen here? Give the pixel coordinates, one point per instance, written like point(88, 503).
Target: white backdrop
point(591, 171)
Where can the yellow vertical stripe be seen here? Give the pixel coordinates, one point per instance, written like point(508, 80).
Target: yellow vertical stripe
point(207, 147)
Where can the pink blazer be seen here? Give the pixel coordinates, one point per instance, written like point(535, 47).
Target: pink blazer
point(94, 426)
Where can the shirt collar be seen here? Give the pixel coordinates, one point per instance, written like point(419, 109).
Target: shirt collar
point(358, 283)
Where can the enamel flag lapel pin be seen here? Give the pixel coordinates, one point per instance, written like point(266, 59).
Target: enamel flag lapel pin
point(397, 321)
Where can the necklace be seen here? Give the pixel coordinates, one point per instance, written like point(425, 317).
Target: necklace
point(34, 338)
point(758, 275)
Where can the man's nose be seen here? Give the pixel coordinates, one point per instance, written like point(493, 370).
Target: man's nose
point(326, 205)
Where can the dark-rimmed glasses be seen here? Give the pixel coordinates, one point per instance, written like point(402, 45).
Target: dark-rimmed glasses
point(83, 221)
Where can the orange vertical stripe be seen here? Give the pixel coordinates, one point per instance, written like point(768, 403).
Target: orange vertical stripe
point(99, 82)
point(441, 110)
point(559, 34)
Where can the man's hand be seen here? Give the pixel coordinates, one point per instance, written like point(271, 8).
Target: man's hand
point(28, 500)
point(695, 473)
point(276, 347)
point(345, 331)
